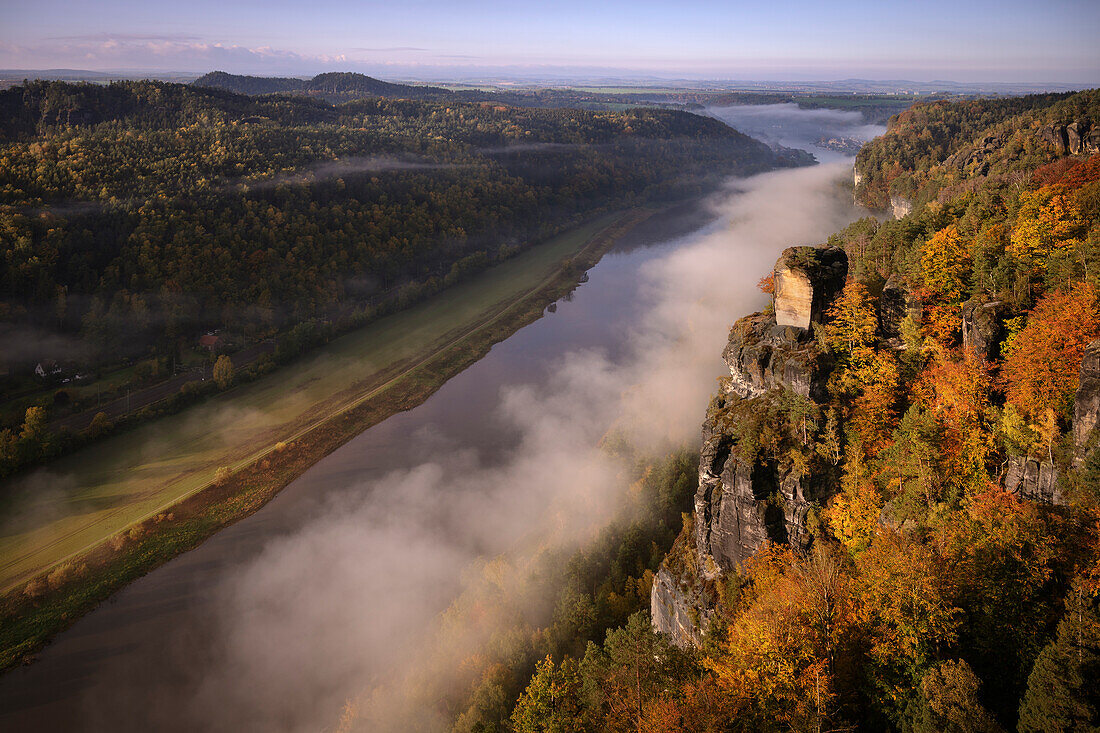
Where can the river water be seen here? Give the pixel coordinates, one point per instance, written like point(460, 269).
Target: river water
point(275, 621)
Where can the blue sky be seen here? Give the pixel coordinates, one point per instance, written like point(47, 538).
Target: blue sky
point(1009, 40)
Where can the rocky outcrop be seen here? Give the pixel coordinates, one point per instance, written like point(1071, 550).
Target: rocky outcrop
point(763, 355)
point(857, 177)
point(807, 279)
point(741, 503)
point(1033, 480)
point(739, 506)
point(976, 158)
point(1076, 138)
point(983, 328)
point(1086, 403)
point(894, 304)
point(900, 206)
point(678, 609)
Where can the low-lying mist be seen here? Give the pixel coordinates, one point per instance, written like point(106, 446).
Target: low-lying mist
point(347, 606)
point(791, 126)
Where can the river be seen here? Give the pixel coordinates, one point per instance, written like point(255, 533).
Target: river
point(275, 621)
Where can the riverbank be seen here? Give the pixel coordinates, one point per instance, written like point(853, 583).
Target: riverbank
point(207, 491)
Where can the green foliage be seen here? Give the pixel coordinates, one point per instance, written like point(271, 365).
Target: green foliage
point(552, 702)
point(1062, 693)
point(223, 371)
point(948, 702)
point(140, 214)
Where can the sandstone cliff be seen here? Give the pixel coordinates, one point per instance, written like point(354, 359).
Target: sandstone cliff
point(741, 502)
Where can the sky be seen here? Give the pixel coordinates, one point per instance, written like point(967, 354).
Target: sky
point(984, 41)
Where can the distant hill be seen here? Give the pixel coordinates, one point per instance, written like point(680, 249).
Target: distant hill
point(335, 86)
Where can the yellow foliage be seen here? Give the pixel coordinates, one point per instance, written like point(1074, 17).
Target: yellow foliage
point(1047, 221)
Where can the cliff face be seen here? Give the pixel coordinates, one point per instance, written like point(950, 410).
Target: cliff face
point(1038, 480)
point(1086, 405)
point(806, 281)
point(741, 504)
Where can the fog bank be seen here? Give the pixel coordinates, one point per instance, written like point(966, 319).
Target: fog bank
point(349, 600)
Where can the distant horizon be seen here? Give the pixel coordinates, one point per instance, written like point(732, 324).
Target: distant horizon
point(982, 42)
point(569, 76)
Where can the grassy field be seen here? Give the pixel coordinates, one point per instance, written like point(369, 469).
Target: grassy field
point(78, 502)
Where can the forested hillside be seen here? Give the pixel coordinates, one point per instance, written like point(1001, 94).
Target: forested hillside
point(897, 524)
point(136, 216)
point(333, 86)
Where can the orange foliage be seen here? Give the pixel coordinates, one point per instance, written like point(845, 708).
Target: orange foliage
point(767, 284)
point(872, 414)
point(956, 393)
point(906, 591)
point(1069, 172)
point(945, 264)
point(1042, 367)
point(783, 653)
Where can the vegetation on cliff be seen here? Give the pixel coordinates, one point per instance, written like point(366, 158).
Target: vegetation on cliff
point(922, 595)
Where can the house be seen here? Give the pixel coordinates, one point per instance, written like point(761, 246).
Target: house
point(47, 368)
point(210, 341)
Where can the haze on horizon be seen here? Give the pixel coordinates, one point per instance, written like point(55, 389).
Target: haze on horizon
point(985, 41)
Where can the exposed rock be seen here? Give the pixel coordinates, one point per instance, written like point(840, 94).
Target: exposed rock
point(894, 304)
point(900, 206)
point(857, 177)
point(976, 158)
point(1086, 404)
point(1033, 480)
point(807, 279)
point(762, 355)
point(983, 328)
point(741, 504)
point(1076, 138)
point(677, 609)
point(744, 506)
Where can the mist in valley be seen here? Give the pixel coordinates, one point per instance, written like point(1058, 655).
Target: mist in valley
point(346, 606)
point(374, 594)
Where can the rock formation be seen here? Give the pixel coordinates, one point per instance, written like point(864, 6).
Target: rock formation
point(894, 304)
point(900, 206)
point(983, 328)
point(1033, 479)
point(762, 355)
point(1086, 404)
point(976, 157)
point(1076, 138)
point(681, 602)
point(807, 279)
point(740, 504)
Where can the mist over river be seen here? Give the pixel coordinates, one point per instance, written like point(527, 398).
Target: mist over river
point(334, 586)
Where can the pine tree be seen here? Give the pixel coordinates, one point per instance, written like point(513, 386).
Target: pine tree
point(1063, 691)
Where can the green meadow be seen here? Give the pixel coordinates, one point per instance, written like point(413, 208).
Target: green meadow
point(64, 509)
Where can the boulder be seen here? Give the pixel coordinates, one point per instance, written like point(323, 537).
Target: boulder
point(1086, 403)
point(983, 328)
point(807, 279)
